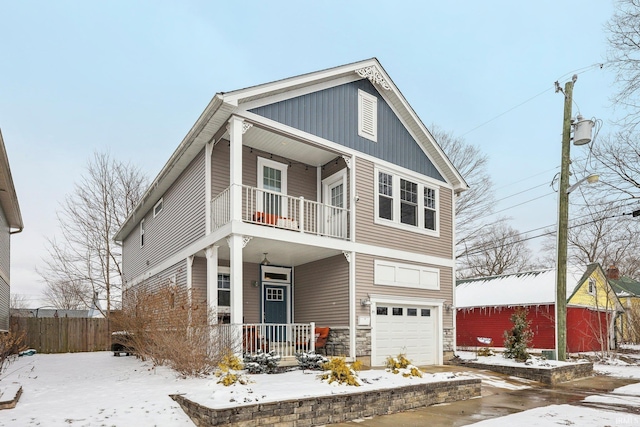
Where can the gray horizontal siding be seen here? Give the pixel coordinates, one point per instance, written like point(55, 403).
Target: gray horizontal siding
point(5, 244)
point(321, 292)
point(367, 231)
point(181, 222)
point(4, 305)
point(365, 286)
point(333, 114)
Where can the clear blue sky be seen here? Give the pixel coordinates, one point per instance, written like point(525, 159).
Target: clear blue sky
point(132, 78)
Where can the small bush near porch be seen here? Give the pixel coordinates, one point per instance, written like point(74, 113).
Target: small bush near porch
point(162, 326)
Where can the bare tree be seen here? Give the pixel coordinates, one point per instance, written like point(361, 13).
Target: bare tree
point(501, 250)
point(86, 260)
point(617, 160)
point(475, 203)
point(18, 301)
point(67, 295)
point(623, 31)
point(602, 233)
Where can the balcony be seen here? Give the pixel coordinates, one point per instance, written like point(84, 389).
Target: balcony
point(278, 210)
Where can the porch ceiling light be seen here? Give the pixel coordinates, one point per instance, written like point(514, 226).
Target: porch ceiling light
point(265, 261)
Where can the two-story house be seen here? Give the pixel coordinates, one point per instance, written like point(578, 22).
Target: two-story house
point(320, 199)
point(10, 223)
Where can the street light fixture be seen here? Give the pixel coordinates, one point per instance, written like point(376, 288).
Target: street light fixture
point(582, 135)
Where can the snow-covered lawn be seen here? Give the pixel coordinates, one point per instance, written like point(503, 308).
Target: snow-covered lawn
point(98, 389)
point(498, 359)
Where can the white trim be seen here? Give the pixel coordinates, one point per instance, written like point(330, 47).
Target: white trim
point(387, 273)
point(367, 116)
point(160, 203)
point(226, 309)
point(306, 239)
point(283, 168)
point(435, 305)
point(352, 305)
point(141, 233)
point(325, 143)
point(283, 96)
point(286, 283)
point(395, 221)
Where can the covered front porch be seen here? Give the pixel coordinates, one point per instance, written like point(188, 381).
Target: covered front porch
point(278, 296)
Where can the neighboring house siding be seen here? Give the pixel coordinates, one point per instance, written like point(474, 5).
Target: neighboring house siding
point(4, 305)
point(333, 114)
point(4, 245)
point(491, 322)
point(365, 285)
point(367, 231)
point(180, 223)
point(4, 271)
point(321, 292)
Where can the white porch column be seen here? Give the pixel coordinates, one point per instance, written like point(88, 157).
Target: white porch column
point(236, 243)
point(212, 282)
point(351, 259)
point(235, 159)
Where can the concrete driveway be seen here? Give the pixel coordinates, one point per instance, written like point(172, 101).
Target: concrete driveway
point(501, 395)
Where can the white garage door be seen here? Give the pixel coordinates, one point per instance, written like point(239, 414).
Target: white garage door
point(407, 329)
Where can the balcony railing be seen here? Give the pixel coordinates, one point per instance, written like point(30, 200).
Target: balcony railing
point(281, 211)
point(285, 339)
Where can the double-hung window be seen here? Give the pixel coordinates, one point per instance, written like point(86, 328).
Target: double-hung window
point(385, 196)
point(406, 202)
point(224, 289)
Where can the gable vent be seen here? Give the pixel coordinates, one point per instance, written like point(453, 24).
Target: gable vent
point(367, 116)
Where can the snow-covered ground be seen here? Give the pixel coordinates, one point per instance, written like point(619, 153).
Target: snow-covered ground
point(98, 389)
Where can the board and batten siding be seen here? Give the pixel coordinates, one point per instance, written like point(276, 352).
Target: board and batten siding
point(365, 265)
point(181, 222)
point(367, 231)
point(321, 292)
point(332, 114)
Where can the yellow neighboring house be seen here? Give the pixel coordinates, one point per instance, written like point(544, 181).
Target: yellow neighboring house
point(628, 292)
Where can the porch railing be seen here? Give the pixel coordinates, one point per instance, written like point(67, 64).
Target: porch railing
point(285, 339)
point(281, 211)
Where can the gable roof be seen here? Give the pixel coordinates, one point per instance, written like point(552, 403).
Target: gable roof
point(625, 287)
point(8, 196)
point(210, 126)
point(530, 288)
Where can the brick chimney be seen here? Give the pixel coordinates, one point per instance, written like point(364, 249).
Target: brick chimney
point(613, 273)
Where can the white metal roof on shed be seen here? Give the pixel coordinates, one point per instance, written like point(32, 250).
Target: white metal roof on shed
point(532, 288)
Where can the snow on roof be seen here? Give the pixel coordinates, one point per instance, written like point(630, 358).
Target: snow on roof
point(531, 288)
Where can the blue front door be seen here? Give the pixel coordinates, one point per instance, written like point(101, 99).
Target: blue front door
point(275, 309)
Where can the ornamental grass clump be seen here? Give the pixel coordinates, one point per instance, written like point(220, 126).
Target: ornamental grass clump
point(338, 371)
point(401, 365)
point(230, 371)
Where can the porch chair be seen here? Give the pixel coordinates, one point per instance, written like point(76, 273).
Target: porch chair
point(322, 335)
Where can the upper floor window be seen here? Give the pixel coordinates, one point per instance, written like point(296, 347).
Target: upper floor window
point(406, 202)
point(142, 232)
point(367, 116)
point(592, 286)
point(158, 208)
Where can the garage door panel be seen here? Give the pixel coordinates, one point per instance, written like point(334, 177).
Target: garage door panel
point(409, 331)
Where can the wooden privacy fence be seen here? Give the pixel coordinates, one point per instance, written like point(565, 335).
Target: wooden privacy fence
point(63, 334)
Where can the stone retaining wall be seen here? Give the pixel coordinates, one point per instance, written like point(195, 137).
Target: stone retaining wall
point(332, 409)
point(549, 376)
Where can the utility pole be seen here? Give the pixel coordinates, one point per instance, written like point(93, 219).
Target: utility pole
point(563, 225)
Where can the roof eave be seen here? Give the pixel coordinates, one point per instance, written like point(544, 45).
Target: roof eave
point(8, 196)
